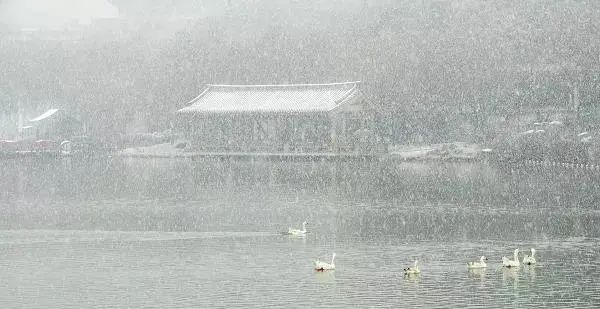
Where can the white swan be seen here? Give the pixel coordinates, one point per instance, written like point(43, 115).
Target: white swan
point(413, 270)
point(480, 264)
point(322, 266)
point(292, 231)
point(506, 262)
point(529, 260)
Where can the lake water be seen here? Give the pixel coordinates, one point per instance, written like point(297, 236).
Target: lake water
point(123, 233)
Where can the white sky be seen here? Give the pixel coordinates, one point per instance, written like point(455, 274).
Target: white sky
point(54, 13)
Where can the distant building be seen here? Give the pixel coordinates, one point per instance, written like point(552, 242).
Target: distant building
point(54, 124)
point(280, 118)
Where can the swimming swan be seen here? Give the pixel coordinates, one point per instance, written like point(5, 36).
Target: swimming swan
point(292, 231)
point(480, 264)
point(506, 262)
point(529, 260)
point(413, 270)
point(322, 266)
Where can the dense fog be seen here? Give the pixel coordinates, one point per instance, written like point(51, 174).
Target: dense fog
point(299, 153)
point(442, 69)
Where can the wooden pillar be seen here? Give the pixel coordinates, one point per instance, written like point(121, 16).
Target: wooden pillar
point(253, 130)
point(342, 131)
point(302, 135)
point(294, 133)
point(333, 122)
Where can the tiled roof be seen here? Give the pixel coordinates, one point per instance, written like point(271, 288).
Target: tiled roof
point(272, 98)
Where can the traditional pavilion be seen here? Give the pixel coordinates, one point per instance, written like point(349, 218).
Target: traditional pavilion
point(305, 118)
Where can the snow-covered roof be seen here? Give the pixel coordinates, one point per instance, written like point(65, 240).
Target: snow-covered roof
point(299, 98)
point(45, 115)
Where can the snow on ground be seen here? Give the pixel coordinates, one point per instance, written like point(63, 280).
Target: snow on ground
point(444, 151)
point(457, 150)
point(159, 150)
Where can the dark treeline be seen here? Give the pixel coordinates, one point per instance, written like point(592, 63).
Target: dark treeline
point(436, 69)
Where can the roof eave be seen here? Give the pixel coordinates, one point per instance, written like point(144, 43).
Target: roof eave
point(349, 96)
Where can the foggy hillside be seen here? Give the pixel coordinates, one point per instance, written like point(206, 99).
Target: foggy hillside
point(437, 64)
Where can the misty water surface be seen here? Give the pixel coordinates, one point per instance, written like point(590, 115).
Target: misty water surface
point(163, 233)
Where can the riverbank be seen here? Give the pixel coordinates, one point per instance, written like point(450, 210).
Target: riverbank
point(437, 152)
point(165, 150)
point(457, 151)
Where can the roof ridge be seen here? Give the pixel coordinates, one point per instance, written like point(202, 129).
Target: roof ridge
point(283, 85)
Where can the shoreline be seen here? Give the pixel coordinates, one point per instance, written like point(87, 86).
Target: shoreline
point(432, 152)
point(448, 152)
